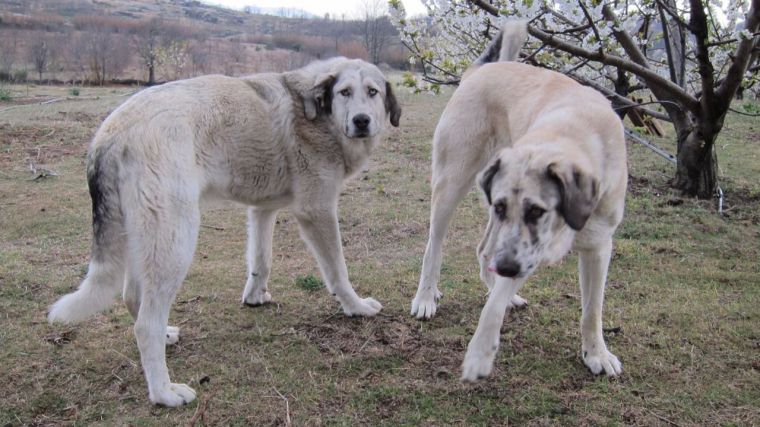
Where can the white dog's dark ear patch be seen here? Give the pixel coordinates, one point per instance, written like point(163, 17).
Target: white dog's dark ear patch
point(486, 178)
point(391, 105)
point(579, 192)
point(318, 100)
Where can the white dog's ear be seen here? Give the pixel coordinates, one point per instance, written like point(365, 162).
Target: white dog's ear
point(318, 99)
point(486, 178)
point(391, 105)
point(579, 192)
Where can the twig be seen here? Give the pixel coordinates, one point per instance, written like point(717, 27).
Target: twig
point(288, 422)
point(661, 418)
point(213, 227)
point(51, 101)
point(200, 411)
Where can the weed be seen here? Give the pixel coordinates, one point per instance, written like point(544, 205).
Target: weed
point(309, 283)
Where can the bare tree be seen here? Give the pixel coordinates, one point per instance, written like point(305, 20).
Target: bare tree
point(8, 51)
point(376, 28)
point(100, 52)
point(39, 55)
point(148, 45)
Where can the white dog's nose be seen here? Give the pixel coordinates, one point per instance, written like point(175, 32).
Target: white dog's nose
point(361, 121)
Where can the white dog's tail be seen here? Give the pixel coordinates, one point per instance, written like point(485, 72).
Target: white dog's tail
point(506, 45)
point(106, 272)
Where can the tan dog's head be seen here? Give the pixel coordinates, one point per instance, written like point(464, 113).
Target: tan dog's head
point(533, 195)
point(355, 95)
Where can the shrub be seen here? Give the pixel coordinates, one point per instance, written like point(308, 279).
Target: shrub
point(5, 95)
point(74, 91)
point(19, 76)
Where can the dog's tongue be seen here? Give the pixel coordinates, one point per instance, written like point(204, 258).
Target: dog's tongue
point(492, 268)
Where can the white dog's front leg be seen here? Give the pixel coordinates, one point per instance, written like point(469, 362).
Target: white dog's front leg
point(259, 255)
point(482, 349)
point(592, 266)
point(320, 230)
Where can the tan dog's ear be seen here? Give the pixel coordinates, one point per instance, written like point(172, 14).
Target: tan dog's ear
point(486, 178)
point(318, 99)
point(391, 105)
point(579, 192)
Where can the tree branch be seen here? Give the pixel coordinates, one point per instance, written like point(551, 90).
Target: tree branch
point(665, 87)
point(742, 55)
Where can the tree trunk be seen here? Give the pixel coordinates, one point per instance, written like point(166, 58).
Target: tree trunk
point(151, 74)
point(696, 170)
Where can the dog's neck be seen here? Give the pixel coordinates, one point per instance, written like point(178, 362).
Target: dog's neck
point(356, 152)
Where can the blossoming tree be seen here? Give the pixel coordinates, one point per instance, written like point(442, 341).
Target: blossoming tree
point(691, 56)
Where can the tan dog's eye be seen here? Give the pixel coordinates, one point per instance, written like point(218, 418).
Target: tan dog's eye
point(534, 213)
point(372, 92)
point(500, 209)
point(345, 92)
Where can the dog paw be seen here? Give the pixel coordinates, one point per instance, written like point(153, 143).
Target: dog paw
point(424, 306)
point(366, 307)
point(476, 366)
point(172, 335)
point(174, 395)
point(257, 299)
point(518, 301)
point(603, 361)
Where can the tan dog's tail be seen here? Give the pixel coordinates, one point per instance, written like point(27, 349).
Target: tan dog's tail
point(506, 45)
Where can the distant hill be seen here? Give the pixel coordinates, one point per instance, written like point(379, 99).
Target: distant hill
point(98, 39)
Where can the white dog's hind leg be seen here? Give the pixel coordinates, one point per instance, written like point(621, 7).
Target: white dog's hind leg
point(448, 191)
point(319, 227)
point(478, 361)
point(592, 266)
point(162, 251)
point(132, 299)
point(259, 255)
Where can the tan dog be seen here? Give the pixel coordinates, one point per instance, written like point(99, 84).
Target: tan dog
point(556, 180)
point(269, 141)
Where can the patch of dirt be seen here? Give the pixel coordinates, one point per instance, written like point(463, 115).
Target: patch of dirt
point(385, 336)
point(742, 205)
point(639, 185)
point(38, 145)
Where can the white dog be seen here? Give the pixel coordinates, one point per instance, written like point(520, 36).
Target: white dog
point(556, 181)
point(269, 141)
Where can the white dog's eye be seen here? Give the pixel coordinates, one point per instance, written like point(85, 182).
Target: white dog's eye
point(345, 92)
point(372, 92)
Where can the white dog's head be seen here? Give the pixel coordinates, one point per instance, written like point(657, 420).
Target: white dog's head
point(354, 94)
point(533, 196)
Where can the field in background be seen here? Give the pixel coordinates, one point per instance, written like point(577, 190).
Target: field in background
point(682, 301)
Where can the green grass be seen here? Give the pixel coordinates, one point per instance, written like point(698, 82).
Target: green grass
point(683, 288)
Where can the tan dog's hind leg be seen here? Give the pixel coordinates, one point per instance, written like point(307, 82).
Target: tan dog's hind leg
point(592, 266)
point(448, 191)
point(489, 277)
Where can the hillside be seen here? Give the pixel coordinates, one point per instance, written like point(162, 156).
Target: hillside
point(103, 40)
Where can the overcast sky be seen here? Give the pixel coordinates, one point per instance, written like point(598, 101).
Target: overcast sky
point(350, 8)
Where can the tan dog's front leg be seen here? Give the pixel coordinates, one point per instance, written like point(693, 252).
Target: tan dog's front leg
point(319, 227)
point(592, 266)
point(478, 361)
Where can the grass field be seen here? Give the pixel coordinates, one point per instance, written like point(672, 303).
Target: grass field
point(682, 307)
